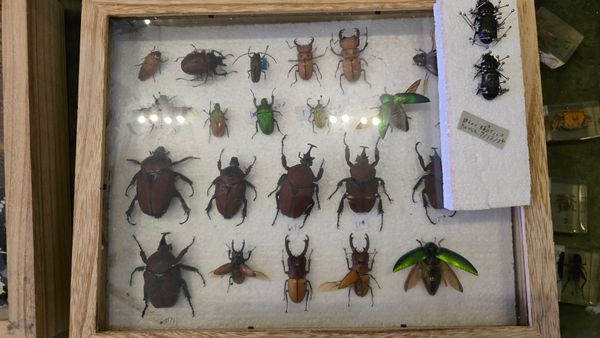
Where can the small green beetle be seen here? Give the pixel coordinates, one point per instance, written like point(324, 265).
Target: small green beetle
point(265, 115)
point(319, 115)
point(217, 119)
point(391, 111)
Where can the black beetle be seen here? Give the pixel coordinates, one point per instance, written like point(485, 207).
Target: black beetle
point(296, 188)
point(258, 64)
point(362, 187)
point(297, 287)
point(575, 272)
point(230, 189)
point(162, 275)
point(155, 185)
point(485, 22)
point(432, 193)
point(428, 59)
point(490, 69)
point(202, 64)
point(237, 268)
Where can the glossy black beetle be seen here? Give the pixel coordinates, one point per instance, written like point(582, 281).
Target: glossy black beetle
point(162, 276)
point(258, 64)
point(485, 22)
point(575, 272)
point(490, 69)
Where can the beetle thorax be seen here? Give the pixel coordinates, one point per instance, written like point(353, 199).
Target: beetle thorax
point(161, 261)
point(362, 171)
point(360, 258)
point(350, 42)
point(237, 258)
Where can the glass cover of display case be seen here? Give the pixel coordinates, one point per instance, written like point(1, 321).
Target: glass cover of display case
point(238, 145)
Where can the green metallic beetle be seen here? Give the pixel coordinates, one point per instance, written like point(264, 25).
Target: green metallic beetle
point(431, 266)
point(217, 119)
point(319, 116)
point(265, 115)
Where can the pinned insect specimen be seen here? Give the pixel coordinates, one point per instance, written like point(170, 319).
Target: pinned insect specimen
point(571, 120)
point(258, 64)
point(430, 262)
point(297, 287)
point(237, 269)
point(202, 64)
point(305, 65)
point(319, 116)
point(576, 273)
point(150, 65)
point(490, 70)
point(163, 113)
point(350, 54)
point(486, 20)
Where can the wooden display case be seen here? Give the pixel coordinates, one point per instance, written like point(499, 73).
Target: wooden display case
point(537, 313)
point(38, 183)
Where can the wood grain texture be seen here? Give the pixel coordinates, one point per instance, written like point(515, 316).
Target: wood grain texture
point(88, 282)
point(37, 167)
point(538, 222)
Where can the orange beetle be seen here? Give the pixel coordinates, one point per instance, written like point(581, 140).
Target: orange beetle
point(304, 62)
point(570, 120)
point(350, 54)
point(150, 65)
point(297, 287)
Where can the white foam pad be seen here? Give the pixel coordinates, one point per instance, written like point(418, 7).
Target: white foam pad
point(476, 174)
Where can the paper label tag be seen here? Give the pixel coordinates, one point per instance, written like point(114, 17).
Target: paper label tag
point(482, 129)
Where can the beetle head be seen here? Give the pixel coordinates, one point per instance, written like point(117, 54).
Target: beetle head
point(386, 98)
point(162, 245)
point(237, 256)
point(160, 151)
point(264, 102)
point(362, 158)
point(217, 106)
point(354, 249)
point(360, 257)
point(234, 162)
point(431, 248)
point(306, 159)
point(349, 42)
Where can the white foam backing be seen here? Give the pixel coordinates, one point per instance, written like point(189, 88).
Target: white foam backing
point(478, 175)
point(484, 237)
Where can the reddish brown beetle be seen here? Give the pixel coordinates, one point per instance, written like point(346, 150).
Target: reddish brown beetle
point(230, 189)
point(362, 187)
point(202, 64)
point(305, 64)
point(297, 287)
point(155, 185)
point(359, 277)
point(162, 276)
point(432, 193)
point(237, 268)
point(217, 119)
point(295, 189)
point(350, 54)
point(150, 65)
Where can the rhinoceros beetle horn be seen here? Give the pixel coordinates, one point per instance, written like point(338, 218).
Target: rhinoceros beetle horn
point(307, 159)
point(287, 247)
point(363, 156)
point(163, 242)
point(234, 162)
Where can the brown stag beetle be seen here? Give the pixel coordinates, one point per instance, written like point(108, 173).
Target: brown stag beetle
point(162, 275)
point(350, 54)
point(202, 64)
point(237, 268)
point(362, 187)
point(432, 194)
point(305, 61)
point(295, 189)
point(297, 287)
point(359, 277)
point(155, 185)
point(230, 189)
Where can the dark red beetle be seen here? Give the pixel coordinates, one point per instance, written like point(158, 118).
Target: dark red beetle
point(162, 276)
point(203, 64)
point(237, 268)
point(295, 189)
point(150, 65)
point(350, 54)
point(230, 189)
point(297, 287)
point(305, 64)
point(359, 277)
point(432, 193)
point(362, 187)
point(155, 185)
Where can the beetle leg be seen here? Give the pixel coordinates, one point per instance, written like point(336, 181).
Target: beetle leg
point(318, 72)
point(277, 206)
point(365, 76)
point(372, 297)
point(349, 290)
point(184, 205)
point(283, 264)
point(253, 188)
point(186, 293)
point(244, 210)
point(186, 180)
point(133, 180)
point(146, 303)
point(313, 125)
point(285, 295)
point(134, 161)
point(425, 205)
point(320, 173)
point(382, 182)
point(277, 125)
point(130, 210)
point(281, 179)
point(340, 209)
point(138, 269)
point(347, 260)
point(213, 183)
point(380, 210)
point(309, 290)
point(316, 186)
point(342, 88)
point(338, 186)
point(184, 251)
point(193, 269)
point(256, 129)
point(309, 259)
point(452, 214)
point(209, 206)
point(185, 159)
point(337, 68)
point(306, 213)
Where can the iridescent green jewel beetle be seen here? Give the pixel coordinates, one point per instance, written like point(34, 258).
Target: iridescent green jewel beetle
point(391, 112)
point(265, 115)
point(431, 265)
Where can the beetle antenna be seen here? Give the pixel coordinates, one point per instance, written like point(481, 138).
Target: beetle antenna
point(420, 243)
point(440, 242)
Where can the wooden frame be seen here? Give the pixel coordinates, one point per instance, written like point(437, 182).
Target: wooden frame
point(533, 229)
point(38, 186)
